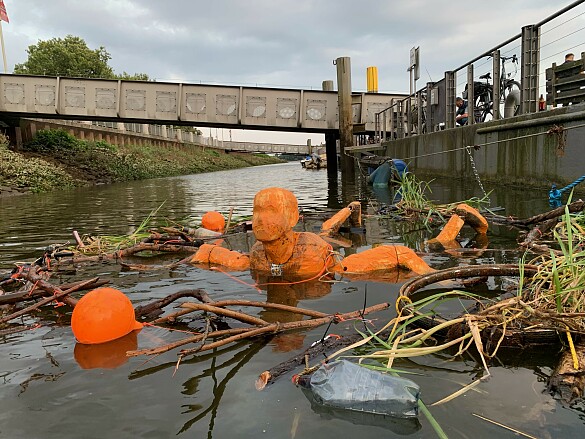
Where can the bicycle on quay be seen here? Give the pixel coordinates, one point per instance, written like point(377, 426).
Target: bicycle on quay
point(509, 92)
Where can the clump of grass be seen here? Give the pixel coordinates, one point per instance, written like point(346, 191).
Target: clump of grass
point(560, 283)
point(108, 244)
point(415, 203)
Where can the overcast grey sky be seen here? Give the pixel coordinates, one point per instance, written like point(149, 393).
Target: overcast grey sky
point(281, 43)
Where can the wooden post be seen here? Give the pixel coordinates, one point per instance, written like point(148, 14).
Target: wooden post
point(327, 85)
point(345, 116)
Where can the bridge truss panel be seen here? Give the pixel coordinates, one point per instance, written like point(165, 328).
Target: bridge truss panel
point(86, 97)
point(373, 103)
point(149, 100)
point(210, 104)
point(26, 94)
point(319, 110)
point(271, 108)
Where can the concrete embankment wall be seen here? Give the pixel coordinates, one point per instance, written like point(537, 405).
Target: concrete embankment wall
point(535, 150)
point(84, 131)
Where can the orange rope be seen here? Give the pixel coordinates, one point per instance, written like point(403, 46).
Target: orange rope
point(236, 279)
point(34, 287)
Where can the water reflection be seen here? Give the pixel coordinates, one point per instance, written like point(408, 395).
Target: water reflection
point(108, 355)
point(399, 426)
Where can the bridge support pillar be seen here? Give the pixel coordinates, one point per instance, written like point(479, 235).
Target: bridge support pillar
point(331, 151)
point(17, 138)
point(345, 116)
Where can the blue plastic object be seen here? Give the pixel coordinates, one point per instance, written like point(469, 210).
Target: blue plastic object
point(554, 195)
point(382, 175)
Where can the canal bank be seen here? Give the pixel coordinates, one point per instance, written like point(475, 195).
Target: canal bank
point(54, 159)
point(538, 150)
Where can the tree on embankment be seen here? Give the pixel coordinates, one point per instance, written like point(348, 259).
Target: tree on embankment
point(71, 56)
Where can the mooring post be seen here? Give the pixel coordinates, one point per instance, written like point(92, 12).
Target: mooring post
point(345, 116)
point(328, 85)
point(330, 140)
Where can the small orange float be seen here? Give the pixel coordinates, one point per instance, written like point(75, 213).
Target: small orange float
point(103, 315)
point(213, 221)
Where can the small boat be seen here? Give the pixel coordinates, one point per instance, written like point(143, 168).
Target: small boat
point(314, 161)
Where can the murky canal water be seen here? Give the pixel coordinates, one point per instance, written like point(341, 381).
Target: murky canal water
point(50, 388)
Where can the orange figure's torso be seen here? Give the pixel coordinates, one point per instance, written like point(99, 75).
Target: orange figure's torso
point(311, 256)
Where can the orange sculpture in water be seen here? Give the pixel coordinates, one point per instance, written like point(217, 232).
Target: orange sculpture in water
point(279, 250)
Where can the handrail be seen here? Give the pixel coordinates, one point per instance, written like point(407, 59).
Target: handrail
point(529, 35)
point(561, 12)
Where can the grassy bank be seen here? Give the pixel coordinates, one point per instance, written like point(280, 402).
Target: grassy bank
point(54, 159)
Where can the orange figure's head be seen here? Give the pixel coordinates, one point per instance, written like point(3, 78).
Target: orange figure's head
point(276, 212)
point(103, 315)
point(213, 221)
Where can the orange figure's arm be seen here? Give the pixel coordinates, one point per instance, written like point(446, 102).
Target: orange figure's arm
point(447, 237)
point(472, 217)
point(332, 225)
point(216, 255)
point(384, 257)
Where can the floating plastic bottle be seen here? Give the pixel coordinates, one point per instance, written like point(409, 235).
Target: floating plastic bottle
point(345, 385)
point(202, 232)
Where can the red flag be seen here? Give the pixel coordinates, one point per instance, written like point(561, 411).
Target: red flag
point(3, 14)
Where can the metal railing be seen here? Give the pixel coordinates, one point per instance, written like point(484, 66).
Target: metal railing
point(433, 107)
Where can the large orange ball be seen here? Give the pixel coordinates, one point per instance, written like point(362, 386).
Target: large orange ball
point(102, 315)
point(213, 221)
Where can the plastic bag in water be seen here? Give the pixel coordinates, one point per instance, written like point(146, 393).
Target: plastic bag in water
point(346, 385)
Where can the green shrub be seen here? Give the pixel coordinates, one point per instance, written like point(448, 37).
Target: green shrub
point(52, 141)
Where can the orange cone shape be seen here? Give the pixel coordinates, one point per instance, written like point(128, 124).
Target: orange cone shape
point(102, 315)
point(213, 221)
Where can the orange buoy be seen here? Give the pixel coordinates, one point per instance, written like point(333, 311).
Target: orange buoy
point(102, 315)
point(213, 221)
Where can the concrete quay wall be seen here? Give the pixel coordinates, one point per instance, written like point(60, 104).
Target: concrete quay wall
point(85, 131)
point(530, 150)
